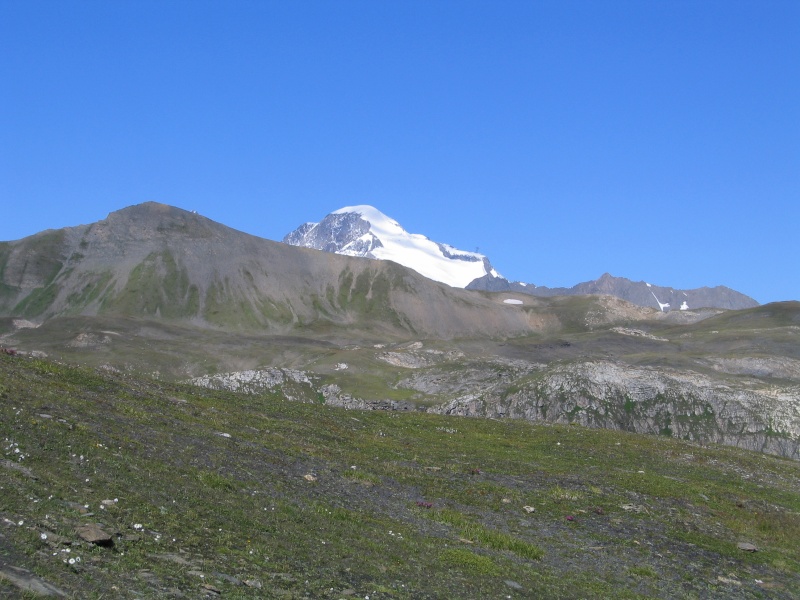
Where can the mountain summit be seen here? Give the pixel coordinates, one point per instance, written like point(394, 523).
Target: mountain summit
point(365, 231)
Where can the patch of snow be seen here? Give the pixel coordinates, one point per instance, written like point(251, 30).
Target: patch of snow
point(684, 306)
point(660, 305)
point(512, 301)
point(648, 285)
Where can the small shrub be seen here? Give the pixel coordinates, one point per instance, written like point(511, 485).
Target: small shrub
point(496, 540)
point(643, 571)
point(559, 494)
point(215, 481)
point(362, 477)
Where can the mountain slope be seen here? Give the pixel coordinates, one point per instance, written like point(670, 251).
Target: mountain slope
point(636, 292)
point(157, 261)
point(367, 232)
point(205, 493)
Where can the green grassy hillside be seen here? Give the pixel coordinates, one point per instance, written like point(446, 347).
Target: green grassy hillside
point(205, 493)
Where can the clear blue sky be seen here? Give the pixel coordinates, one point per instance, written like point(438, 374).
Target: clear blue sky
point(655, 140)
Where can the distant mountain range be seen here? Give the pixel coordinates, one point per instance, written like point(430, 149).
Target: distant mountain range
point(367, 232)
point(636, 292)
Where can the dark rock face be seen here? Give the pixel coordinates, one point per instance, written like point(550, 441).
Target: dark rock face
point(636, 292)
point(335, 233)
point(460, 256)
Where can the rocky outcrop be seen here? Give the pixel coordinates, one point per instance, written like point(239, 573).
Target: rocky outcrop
point(682, 404)
point(778, 367)
point(334, 396)
point(294, 384)
point(748, 412)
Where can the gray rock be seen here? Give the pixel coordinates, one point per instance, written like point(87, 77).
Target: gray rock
point(92, 533)
point(747, 547)
point(229, 578)
point(11, 465)
point(211, 590)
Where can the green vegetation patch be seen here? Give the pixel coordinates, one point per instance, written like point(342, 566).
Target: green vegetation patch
point(469, 562)
point(157, 286)
point(38, 301)
point(496, 540)
point(368, 295)
point(96, 285)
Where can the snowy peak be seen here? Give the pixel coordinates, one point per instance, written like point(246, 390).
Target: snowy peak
point(365, 231)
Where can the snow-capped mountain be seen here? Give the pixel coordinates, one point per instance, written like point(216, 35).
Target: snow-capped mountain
point(366, 231)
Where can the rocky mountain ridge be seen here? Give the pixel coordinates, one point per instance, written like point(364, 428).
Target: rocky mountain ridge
point(636, 292)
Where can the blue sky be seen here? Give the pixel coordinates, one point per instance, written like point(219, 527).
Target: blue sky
point(655, 140)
